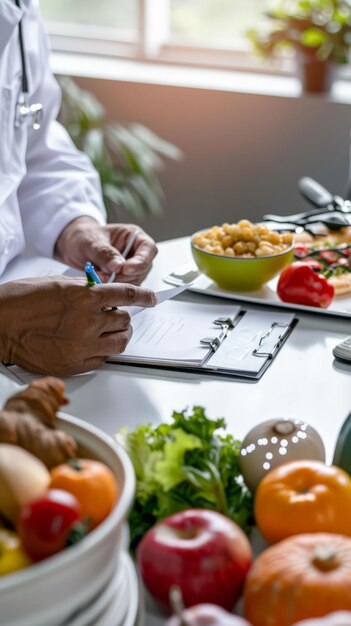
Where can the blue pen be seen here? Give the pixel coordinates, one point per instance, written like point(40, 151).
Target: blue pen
point(93, 279)
point(92, 276)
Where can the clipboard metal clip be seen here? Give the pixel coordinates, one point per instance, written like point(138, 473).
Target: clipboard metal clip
point(278, 343)
point(226, 324)
point(211, 342)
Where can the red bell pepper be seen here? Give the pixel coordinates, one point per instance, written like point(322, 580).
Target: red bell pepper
point(315, 265)
point(299, 284)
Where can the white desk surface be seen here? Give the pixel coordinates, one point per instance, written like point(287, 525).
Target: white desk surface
point(304, 381)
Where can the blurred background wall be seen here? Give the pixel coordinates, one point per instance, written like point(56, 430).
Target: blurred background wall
point(243, 153)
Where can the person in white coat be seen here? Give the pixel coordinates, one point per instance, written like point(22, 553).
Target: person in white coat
point(51, 206)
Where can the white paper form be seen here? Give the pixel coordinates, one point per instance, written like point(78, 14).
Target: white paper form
point(172, 332)
point(257, 330)
point(162, 296)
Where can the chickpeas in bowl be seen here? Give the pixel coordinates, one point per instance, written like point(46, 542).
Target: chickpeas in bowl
point(242, 256)
point(244, 239)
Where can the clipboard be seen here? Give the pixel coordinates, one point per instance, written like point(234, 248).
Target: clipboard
point(237, 344)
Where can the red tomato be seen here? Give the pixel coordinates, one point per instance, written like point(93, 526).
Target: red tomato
point(301, 250)
point(44, 525)
point(329, 256)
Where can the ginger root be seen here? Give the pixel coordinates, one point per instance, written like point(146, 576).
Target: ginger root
point(28, 420)
point(42, 398)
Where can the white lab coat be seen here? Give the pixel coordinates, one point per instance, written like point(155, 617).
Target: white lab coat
point(45, 182)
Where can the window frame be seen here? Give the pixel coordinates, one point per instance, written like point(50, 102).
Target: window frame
point(156, 46)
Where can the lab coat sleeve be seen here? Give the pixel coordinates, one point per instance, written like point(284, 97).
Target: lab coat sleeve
point(60, 184)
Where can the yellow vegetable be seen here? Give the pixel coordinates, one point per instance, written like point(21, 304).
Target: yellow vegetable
point(22, 478)
point(12, 557)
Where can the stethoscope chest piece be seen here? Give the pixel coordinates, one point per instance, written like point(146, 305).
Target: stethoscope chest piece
point(29, 114)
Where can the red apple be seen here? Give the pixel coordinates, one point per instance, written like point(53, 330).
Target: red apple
point(204, 553)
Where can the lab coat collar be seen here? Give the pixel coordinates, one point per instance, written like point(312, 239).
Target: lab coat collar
point(10, 16)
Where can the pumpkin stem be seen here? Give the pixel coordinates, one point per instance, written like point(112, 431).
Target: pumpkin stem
point(325, 558)
point(75, 464)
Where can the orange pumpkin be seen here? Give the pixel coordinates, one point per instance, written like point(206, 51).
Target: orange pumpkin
point(301, 577)
point(92, 483)
point(303, 497)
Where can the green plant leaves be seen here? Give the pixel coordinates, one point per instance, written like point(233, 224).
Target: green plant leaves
point(127, 158)
point(320, 25)
point(156, 143)
point(312, 38)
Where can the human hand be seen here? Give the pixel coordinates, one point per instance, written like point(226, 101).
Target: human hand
point(207, 615)
point(56, 325)
point(85, 240)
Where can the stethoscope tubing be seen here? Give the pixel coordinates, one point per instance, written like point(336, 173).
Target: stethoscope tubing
point(23, 56)
point(26, 113)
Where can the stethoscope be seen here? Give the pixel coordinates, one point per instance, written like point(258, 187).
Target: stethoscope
point(29, 114)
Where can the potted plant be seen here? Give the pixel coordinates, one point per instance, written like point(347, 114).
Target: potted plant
point(127, 158)
point(319, 31)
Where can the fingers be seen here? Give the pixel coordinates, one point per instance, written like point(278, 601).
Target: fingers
point(76, 294)
point(104, 247)
point(109, 257)
point(57, 325)
point(85, 240)
point(135, 279)
point(113, 343)
point(112, 294)
point(144, 252)
point(145, 247)
point(113, 321)
point(105, 257)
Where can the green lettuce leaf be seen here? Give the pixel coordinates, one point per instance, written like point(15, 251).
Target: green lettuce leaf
point(190, 463)
point(168, 471)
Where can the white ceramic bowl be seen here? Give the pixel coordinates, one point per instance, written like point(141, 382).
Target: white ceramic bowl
point(48, 593)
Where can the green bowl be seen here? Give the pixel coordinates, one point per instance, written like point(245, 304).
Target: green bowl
point(240, 274)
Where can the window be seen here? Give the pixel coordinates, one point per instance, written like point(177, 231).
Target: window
point(104, 14)
point(210, 32)
point(220, 23)
point(108, 27)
